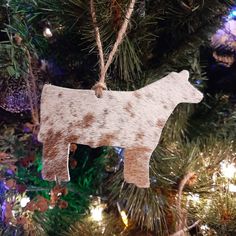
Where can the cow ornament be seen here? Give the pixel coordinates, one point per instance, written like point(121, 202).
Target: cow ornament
point(132, 120)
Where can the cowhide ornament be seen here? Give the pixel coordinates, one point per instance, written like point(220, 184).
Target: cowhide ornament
point(131, 120)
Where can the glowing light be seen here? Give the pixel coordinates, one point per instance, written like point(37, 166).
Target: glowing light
point(232, 14)
point(96, 209)
point(47, 33)
point(194, 197)
point(232, 188)
point(96, 213)
point(124, 218)
point(228, 169)
point(204, 228)
point(24, 201)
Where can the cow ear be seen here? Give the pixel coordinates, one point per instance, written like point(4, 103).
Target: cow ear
point(184, 74)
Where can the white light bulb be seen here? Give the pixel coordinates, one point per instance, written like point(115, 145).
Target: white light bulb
point(228, 169)
point(232, 188)
point(47, 33)
point(204, 227)
point(124, 218)
point(96, 213)
point(194, 198)
point(24, 201)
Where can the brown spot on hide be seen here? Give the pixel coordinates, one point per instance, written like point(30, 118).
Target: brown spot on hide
point(165, 107)
point(129, 108)
point(72, 138)
point(45, 119)
point(107, 140)
point(139, 136)
point(160, 123)
point(60, 170)
point(136, 164)
point(137, 94)
point(88, 120)
point(137, 151)
point(56, 166)
point(60, 94)
point(53, 139)
point(58, 136)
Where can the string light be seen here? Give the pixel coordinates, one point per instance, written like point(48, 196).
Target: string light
point(124, 218)
point(96, 213)
point(96, 210)
point(123, 215)
point(194, 198)
point(232, 188)
point(232, 14)
point(47, 33)
point(204, 228)
point(228, 169)
point(24, 201)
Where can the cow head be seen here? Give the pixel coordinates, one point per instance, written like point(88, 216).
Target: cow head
point(188, 93)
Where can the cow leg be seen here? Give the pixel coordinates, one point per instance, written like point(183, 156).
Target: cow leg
point(136, 166)
point(55, 161)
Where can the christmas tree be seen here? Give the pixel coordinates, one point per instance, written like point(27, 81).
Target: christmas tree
point(123, 45)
